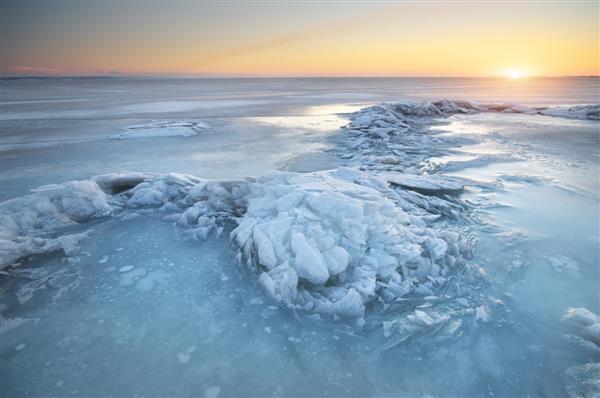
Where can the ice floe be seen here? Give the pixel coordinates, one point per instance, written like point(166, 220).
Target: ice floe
point(162, 129)
point(27, 221)
point(446, 107)
point(590, 112)
point(392, 136)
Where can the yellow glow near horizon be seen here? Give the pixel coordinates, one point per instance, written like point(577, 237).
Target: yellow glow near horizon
point(330, 39)
point(516, 74)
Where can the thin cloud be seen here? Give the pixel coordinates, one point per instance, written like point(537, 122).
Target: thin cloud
point(335, 27)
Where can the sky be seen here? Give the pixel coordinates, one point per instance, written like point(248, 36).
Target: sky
point(302, 38)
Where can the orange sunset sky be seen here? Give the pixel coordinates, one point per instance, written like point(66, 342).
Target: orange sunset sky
point(306, 38)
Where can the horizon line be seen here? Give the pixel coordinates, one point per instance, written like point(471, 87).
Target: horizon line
point(266, 76)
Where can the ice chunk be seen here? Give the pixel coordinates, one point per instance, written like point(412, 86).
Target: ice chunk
point(587, 322)
point(423, 317)
point(26, 220)
point(424, 182)
point(12, 250)
point(280, 283)
point(266, 253)
point(342, 234)
point(351, 305)
point(162, 129)
point(437, 248)
point(336, 259)
point(482, 313)
point(308, 261)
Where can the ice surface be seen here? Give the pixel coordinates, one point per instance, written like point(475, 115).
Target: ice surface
point(183, 106)
point(140, 108)
point(347, 279)
point(332, 243)
point(326, 122)
point(212, 392)
point(151, 129)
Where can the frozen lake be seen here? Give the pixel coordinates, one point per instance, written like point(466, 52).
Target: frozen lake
point(293, 237)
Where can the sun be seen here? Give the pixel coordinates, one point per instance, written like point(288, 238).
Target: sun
point(515, 74)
